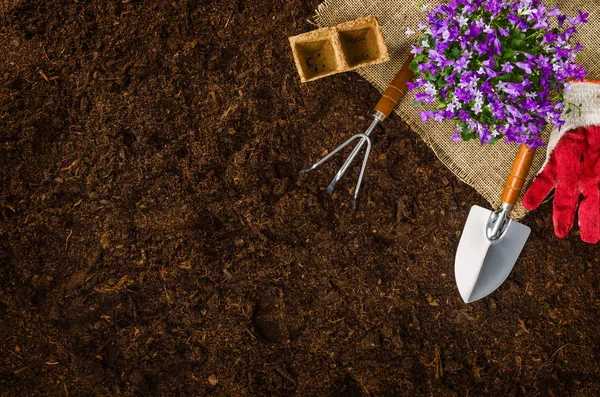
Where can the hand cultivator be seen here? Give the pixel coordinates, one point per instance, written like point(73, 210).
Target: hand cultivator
point(383, 109)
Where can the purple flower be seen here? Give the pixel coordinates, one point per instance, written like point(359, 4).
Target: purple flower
point(456, 136)
point(507, 68)
point(464, 95)
point(549, 37)
point(450, 79)
point(439, 115)
point(497, 46)
point(485, 135)
point(464, 115)
point(513, 89)
point(415, 49)
point(525, 66)
point(427, 67)
point(478, 103)
point(436, 56)
point(543, 62)
point(581, 18)
point(473, 30)
point(513, 111)
point(422, 96)
point(426, 115)
point(487, 87)
point(513, 19)
point(554, 12)
point(411, 86)
point(488, 68)
point(452, 106)
point(522, 25)
point(481, 47)
point(541, 24)
point(497, 109)
point(461, 64)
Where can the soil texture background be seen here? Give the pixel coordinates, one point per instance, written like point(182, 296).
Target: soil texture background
point(156, 238)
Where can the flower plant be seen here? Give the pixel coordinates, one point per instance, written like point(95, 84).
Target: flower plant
point(498, 68)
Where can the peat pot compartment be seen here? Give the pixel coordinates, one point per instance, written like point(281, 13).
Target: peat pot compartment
point(359, 46)
point(317, 58)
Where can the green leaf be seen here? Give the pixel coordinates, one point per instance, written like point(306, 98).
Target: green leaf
point(486, 117)
point(455, 53)
point(516, 42)
point(466, 134)
point(414, 66)
point(509, 54)
point(517, 76)
point(518, 34)
point(441, 83)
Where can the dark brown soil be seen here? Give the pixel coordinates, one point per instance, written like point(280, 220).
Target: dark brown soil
point(156, 239)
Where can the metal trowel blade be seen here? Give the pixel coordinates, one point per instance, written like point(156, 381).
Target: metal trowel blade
point(481, 266)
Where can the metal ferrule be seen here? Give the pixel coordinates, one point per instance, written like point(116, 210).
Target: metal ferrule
point(498, 222)
point(379, 116)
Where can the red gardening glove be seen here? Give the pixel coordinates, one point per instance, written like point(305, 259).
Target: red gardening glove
point(589, 208)
point(573, 167)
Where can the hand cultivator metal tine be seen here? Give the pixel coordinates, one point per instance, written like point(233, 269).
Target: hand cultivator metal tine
point(362, 169)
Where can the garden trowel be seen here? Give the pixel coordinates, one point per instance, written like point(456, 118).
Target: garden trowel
point(491, 242)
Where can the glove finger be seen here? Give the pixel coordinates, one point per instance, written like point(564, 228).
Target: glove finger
point(539, 189)
point(562, 164)
point(565, 205)
point(589, 214)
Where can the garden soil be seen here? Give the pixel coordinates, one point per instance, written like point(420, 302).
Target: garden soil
point(156, 238)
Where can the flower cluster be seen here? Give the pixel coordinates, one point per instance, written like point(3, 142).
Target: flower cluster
point(498, 67)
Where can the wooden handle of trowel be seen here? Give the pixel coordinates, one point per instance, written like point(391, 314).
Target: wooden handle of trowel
point(518, 174)
point(396, 89)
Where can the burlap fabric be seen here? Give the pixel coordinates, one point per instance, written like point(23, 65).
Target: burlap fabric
point(483, 167)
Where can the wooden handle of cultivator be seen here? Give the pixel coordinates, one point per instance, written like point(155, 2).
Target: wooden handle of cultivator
point(518, 174)
point(396, 89)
